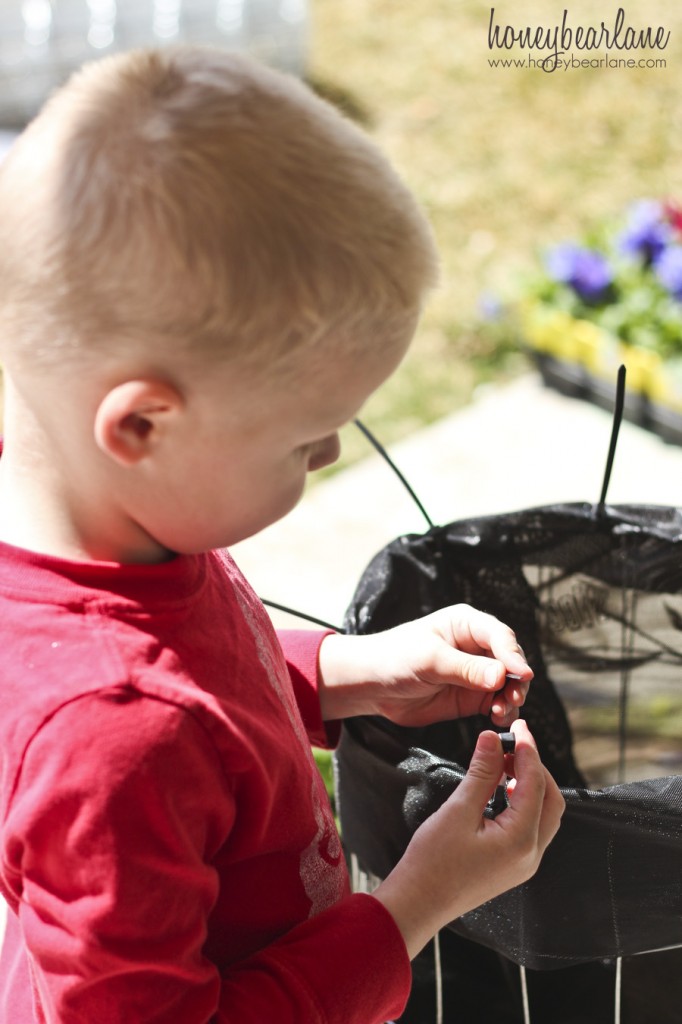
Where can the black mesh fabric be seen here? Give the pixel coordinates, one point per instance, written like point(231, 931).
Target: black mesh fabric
point(595, 598)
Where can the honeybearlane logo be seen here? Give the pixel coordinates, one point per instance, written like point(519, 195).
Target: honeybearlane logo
point(550, 45)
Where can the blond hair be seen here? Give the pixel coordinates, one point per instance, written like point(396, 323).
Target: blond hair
point(192, 199)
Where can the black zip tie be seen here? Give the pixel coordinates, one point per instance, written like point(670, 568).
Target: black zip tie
point(384, 454)
point(508, 741)
point(617, 419)
point(301, 615)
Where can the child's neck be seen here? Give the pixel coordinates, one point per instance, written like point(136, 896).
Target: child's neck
point(51, 503)
point(38, 517)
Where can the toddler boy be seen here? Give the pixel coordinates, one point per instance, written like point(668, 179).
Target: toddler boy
point(204, 272)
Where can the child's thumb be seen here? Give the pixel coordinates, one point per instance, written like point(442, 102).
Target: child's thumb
point(485, 769)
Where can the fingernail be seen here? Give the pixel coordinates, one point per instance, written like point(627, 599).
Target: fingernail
point(491, 675)
point(488, 743)
point(521, 724)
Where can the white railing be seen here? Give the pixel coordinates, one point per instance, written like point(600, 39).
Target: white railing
point(42, 41)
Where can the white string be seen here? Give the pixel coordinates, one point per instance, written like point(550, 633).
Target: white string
point(661, 949)
point(524, 994)
point(362, 881)
point(354, 873)
point(439, 978)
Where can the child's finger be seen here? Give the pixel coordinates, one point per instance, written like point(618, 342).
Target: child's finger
point(478, 672)
point(491, 634)
point(509, 699)
point(482, 777)
point(470, 671)
point(535, 793)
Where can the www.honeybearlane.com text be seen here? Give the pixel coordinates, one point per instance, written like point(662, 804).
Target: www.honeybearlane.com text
point(558, 39)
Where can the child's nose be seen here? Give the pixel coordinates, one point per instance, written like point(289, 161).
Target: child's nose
point(324, 453)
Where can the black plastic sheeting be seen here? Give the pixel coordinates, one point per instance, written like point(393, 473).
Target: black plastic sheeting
point(594, 595)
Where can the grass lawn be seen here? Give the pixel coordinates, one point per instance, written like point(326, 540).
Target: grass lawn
point(505, 160)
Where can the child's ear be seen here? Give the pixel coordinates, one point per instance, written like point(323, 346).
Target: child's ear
point(133, 417)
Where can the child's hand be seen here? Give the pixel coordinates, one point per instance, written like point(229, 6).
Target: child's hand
point(450, 664)
point(458, 859)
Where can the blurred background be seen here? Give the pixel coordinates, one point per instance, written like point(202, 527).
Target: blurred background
point(42, 41)
point(506, 160)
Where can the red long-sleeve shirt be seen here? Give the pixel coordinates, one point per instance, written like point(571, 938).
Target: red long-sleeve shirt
point(167, 849)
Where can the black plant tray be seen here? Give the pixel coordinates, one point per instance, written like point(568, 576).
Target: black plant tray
point(573, 379)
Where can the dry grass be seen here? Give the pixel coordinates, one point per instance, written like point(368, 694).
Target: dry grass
point(504, 160)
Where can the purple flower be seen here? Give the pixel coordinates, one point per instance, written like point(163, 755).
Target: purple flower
point(490, 306)
point(647, 231)
point(585, 270)
point(668, 270)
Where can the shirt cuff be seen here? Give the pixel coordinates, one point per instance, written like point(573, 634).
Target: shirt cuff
point(301, 651)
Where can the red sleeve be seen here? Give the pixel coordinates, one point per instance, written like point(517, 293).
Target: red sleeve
point(111, 833)
point(348, 965)
point(301, 650)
